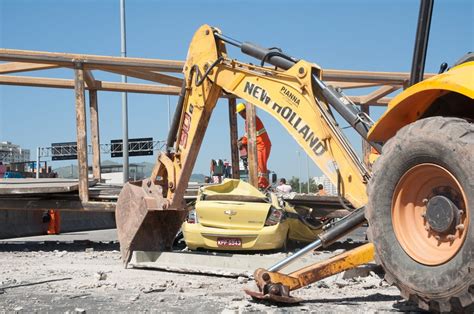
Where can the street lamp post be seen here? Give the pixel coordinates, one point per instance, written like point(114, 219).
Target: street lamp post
point(299, 170)
point(307, 169)
point(169, 116)
point(123, 53)
point(38, 161)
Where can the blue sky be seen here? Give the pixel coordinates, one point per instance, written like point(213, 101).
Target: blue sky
point(354, 35)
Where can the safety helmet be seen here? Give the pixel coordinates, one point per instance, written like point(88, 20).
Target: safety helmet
point(240, 107)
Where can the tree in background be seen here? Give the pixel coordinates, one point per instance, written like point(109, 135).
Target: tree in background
point(295, 185)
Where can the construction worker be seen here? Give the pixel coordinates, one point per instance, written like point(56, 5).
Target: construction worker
point(53, 219)
point(263, 147)
point(283, 187)
point(321, 190)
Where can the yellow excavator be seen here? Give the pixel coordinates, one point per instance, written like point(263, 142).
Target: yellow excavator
point(418, 199)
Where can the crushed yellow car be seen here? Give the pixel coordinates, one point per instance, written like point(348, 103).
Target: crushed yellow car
point(234, 216)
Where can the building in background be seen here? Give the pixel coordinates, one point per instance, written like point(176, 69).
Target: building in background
point(11, 153)
point(328, 186)
point(113, 174)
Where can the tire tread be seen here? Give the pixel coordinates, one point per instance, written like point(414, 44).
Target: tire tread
point(459, 129)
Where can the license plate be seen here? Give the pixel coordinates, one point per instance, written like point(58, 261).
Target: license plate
point(229, 242)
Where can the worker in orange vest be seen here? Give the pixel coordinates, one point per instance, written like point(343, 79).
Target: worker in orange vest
point(53, 219)
point(264, 146)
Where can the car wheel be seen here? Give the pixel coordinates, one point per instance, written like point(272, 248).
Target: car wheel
point(178, 243)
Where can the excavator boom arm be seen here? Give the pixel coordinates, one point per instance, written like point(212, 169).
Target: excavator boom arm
point(295, 97)
point(292, 93)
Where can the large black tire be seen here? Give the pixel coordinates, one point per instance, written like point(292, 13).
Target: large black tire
point(447, 142)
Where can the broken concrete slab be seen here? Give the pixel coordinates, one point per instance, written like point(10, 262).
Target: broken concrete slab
point(362, 271)
point(223, 264)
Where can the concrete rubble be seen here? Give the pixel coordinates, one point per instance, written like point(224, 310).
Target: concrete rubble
point(92, 279)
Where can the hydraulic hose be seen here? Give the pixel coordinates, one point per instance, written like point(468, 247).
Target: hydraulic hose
point(339, 229)
point(275, 57)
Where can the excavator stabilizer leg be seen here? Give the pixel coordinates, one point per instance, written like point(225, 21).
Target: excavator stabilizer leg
point(276, 287)
point(142, 222)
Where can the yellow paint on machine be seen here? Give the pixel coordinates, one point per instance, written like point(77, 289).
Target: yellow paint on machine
point(410, 105)
point(308, 275)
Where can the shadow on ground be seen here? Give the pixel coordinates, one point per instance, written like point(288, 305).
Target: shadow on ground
point(376, 297)
point(49, 246)
point(80, 245)
point(398, 305)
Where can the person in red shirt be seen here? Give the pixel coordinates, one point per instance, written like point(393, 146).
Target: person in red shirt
point(264, 146)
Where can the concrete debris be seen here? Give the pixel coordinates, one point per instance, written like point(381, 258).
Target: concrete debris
point(373, 274)
point(100, 275)
point(134, 298)
point(81, 296)
point(197, 286)
point(361, 271)
point(384, 284)
point(80, 310)
point(61, 254)
point(356, 280)
point(97, 282)
point(18, 308)
point(322, 284)
point(367, 287)
point(341, 283)
point(373, 280)
point(150, 290)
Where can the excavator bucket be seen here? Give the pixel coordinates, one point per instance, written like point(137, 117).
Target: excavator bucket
point(142, 222)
